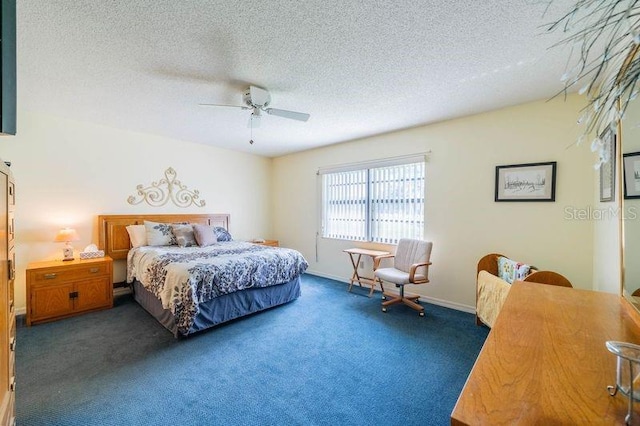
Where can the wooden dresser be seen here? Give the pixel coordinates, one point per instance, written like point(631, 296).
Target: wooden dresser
point(545, 360)
point(7, 304)
point(271, 243)
point(58, 289)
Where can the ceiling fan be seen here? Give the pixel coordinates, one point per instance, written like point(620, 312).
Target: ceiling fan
point(257, 100)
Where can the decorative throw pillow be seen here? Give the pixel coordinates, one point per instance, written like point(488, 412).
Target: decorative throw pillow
point(137, 235)
point(184, 235)
point(510, 270)
point(204, 235)
point(159, 234)
point(222, 234)
point(522, 271)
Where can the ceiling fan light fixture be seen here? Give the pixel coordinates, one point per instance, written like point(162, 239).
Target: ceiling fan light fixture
point(254, 121)
point(256, 99)
point(255, 96)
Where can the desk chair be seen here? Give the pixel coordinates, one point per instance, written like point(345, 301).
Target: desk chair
point(410, 266)
point(548, 277)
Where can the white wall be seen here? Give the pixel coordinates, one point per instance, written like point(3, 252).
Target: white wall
point(606, 238)
point(462, 218)
point(68, 172)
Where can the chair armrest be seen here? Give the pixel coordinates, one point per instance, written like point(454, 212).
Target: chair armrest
point(377, 259)
point(412, 271)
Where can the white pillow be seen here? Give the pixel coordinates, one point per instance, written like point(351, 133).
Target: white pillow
point(137, 235)
point(159, 234)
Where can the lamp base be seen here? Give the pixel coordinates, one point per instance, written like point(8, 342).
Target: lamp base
point(67, 253)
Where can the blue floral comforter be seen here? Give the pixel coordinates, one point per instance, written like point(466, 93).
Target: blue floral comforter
point(184, 277)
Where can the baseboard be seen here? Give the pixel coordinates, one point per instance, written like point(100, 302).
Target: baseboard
point(329, 276)
point(440, 302)
point(448, 304)
point(119, 291)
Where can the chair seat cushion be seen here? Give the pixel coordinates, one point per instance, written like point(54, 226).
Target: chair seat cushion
point(396, 276)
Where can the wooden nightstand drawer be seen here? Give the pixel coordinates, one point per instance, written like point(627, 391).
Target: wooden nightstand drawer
point(58, 289)
point(62, 274)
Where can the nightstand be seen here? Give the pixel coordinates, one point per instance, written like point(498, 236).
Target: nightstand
point(271, 243)
point(58, 289)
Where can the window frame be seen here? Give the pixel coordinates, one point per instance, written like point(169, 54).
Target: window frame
point(367, 166)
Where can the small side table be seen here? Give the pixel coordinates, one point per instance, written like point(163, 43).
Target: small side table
point(271, 243)
point(356, 261)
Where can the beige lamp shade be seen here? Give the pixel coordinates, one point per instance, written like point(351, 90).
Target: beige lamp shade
point(66, 234)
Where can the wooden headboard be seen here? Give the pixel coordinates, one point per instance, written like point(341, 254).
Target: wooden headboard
point(113, 237)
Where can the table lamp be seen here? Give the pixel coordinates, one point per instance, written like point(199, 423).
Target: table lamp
point(66, 235)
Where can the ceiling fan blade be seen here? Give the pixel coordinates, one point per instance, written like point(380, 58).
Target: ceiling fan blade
point(300, 116)
point(221, 105)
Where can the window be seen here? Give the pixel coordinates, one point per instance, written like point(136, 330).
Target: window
point(382, 202)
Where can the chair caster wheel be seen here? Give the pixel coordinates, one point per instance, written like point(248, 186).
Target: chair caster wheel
point(384, 309)
point(421, 314)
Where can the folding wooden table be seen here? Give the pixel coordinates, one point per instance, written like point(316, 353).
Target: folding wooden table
point(355, 261)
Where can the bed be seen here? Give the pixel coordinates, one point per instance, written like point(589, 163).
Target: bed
point(190, 289)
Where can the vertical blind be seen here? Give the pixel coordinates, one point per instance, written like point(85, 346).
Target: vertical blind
point(379, 204)
point(345, 205)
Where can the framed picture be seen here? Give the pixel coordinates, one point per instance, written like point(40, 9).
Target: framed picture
point(631, 163)
point(608, 169)
point(526, 182)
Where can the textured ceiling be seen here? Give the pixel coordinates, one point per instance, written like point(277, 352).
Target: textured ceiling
point(358, 67)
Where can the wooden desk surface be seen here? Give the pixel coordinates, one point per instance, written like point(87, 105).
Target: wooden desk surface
point(366, 252)
point(545, 360)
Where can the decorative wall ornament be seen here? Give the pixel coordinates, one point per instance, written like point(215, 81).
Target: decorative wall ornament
point(604, 38)
point(159, 193)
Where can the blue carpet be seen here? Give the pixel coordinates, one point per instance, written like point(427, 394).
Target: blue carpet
point(330, 357)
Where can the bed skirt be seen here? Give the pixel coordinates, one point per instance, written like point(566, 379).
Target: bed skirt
point(221, 309)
